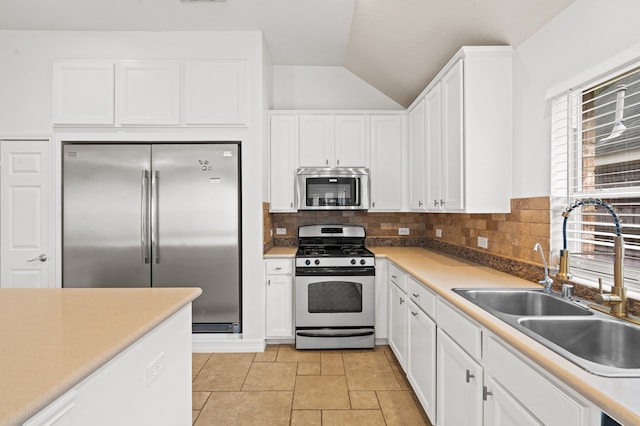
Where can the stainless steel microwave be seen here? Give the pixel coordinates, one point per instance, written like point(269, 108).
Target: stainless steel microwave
point(332, 189)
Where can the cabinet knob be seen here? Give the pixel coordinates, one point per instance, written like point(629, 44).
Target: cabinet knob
point(269, 283)
point(485, 393)
point(373, 204)
point(338, 162)
point(469, 376)
point(291, 205)
point(326, 162)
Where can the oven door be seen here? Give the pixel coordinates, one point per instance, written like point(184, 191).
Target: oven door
point(344, 300)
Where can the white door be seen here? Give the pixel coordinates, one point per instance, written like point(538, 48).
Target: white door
point(350, 140)
point(316, 141)
point(453, 138)
point(398, 323)
point(421, 358)
point(502, 409)
point(284, 146)
point(279, 311)
point(386, 162)
point(416, 158)
point(433, 146)
point(26, 214)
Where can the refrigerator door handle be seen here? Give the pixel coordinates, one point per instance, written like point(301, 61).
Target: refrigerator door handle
point(155, 178)
point(144, 217)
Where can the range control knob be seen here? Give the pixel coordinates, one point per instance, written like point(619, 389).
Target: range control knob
point(362, 261)
point(317, 262)
point(307, 262)
point(353, 261)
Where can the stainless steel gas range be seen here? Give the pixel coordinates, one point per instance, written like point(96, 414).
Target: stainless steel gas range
point(334, 288)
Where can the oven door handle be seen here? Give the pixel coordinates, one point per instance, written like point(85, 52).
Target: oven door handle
point(358, 334)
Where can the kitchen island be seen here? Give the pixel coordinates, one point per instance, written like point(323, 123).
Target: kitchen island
point(96, 356)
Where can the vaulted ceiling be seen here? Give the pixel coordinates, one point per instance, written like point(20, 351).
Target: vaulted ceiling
point(396, 46)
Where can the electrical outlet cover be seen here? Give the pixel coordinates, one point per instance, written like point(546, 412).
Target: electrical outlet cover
point(155, 369)
point(281, 231)
point(403, 231)
point(439, 233)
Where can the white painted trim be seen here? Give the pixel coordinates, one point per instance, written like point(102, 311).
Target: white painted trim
point(204, 342)
point(616, 64)
point(338, 111)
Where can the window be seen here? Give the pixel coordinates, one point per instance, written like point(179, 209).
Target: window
point(596, 154)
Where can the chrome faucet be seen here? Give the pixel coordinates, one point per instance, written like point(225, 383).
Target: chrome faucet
point(617, 299)
point(547, 282)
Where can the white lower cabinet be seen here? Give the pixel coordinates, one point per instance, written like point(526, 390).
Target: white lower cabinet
point(501, 409)
point(421, 358)
point(397, 331)
point(279, 299)
point(459, 385)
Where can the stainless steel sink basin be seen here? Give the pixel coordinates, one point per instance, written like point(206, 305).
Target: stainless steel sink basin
point(592, 340)
point(603, 341)
point(531, 302)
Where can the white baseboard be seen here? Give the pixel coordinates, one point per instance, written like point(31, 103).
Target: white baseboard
point(204, 342)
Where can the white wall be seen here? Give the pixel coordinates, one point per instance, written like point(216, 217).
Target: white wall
point(325, 87)
point(25, 109)
point(583, 36)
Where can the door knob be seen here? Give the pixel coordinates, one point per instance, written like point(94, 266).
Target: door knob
point(41, 258)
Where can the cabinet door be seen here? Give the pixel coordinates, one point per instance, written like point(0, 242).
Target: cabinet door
point(279, 307)
point(350, 140)
point(453, 138)
point(148, 93)
point(398, 323)
point(215, 93)
point(421, 359)
point(416, 158)
point(83, 92)
point(283, 145)
point(433, 146)
point(459, 385)
point(501, 409)
point(316, 141)
point(386, 162)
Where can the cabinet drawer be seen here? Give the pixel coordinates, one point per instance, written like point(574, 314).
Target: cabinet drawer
point(460, 329)
point(541, 397)
point(398, 277)
point(422, 296)
point(278, 267)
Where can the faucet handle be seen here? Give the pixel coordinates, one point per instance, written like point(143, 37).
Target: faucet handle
point(600, 290)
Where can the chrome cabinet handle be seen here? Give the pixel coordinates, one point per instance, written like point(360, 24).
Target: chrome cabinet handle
point(442, 203)
point(144, 217)
point(326, 162)
point(268, 282)
point(469, 376)
point(419, 203)
point(401, 300)
point(42, 258)
point(415, 295)
point(415, 314)
point(485, 393)
point(435, 203)
point(394, 277)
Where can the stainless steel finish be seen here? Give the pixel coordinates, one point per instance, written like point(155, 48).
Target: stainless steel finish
point(334, 261)
point(101, 215)
point(594, 341)
point(435, 203)
point(345, 319)
point(521, 302)
point(197, 226)
point(567, 291)
point(342, 172)
point(603, 346)
point(191, 225)
point(485, 393)
point(155, 184)
point(317, 231)
point(419, 203)
point(42, 258)
point(547, 282)
point(360, 337)
point(144, 217)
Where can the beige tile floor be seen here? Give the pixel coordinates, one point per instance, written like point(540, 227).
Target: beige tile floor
point(283, 386)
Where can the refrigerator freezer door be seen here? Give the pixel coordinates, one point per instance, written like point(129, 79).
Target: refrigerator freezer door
point(195, 221)
point(105, 215)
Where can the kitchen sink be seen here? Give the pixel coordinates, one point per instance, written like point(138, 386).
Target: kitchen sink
point(530, 302)
point(602, 341)
point(596, 342)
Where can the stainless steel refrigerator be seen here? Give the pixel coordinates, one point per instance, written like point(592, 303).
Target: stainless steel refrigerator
point(156, 215)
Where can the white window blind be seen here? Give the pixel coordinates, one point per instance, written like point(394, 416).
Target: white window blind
point(595, 132)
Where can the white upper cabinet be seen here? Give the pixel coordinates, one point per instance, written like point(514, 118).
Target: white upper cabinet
point(350, 140)
point(148, 93)
point(453, 140)
point(387, 140)
point(284, 146)
point(417, 157)
point(333, 140)
point(468, 138)
point(316, 141)
point(83, 92)
point(215, 93)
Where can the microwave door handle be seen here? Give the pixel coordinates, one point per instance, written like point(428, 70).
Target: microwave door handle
point(357, 200)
